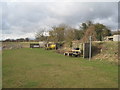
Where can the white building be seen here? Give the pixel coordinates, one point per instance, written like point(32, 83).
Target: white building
point(112, 38)
point(116, 37)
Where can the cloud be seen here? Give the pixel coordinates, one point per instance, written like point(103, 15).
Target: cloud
point(60, 0)
point(23, 19)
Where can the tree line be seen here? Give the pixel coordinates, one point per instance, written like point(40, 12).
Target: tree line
point(65, 33)
point(17, 40)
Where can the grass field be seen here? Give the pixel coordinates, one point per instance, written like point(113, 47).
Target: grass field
point(37, 68)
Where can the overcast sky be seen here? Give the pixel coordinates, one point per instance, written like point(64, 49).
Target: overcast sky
point(24, 19)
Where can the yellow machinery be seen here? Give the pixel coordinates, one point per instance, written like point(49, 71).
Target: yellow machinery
point(50, 46)
point(74, 52)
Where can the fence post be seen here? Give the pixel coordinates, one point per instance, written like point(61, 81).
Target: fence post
point(90, 49)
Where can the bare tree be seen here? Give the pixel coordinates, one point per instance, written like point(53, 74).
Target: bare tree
point(57, 33)
point(89, 32)
point(40, 35)
point(69, 35)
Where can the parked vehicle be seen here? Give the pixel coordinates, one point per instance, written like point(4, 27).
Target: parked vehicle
point(50, 46)
point(76, 52)
point(34, 45)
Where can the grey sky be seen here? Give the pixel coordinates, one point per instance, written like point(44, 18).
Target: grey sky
point(24, 19)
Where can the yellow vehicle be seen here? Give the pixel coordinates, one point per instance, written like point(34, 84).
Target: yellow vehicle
point(50, 46)
point(74, 52)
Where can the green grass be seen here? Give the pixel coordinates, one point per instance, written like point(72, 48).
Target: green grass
point(39, 68)
point(0, 69)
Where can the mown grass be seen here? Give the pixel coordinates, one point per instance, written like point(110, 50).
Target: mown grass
point(39, 68)
point(0, 69)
